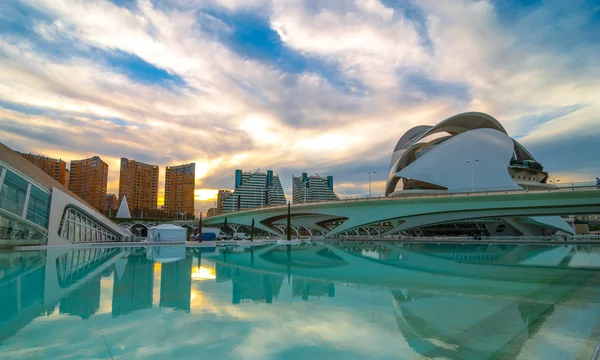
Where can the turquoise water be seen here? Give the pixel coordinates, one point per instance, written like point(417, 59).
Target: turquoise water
point(336, 301)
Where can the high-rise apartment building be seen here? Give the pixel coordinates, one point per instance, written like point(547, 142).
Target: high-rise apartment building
point(212, 212)
point(139, 182)
point(222, 195)
point(88, 178)
point(254, 190)
point(312, 188)
point(179, 190)
point(56, 168)
point(112, 204)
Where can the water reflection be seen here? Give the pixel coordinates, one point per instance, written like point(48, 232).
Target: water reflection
point(133, 284)
point(83, 301)
point(252, 286)
point(175, 284)
point(446, 301)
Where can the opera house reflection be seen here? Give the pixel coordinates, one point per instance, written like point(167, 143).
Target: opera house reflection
point(453, 301)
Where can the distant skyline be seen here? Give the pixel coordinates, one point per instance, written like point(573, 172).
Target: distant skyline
point(311, 86)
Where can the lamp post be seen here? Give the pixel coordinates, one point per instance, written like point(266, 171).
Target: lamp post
point(470, 161)
point(370, 172)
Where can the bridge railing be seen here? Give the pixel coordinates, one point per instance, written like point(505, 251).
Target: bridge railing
point(466, 191)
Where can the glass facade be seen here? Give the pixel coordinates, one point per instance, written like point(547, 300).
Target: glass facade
point(38, 209)
point(12, 230)
point(77, 228)
point(13, 193)
point(20, 199)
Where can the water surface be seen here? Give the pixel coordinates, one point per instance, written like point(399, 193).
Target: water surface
point(344, 300)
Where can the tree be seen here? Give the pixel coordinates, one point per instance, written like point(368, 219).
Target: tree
point(289, 223)
point(225, 227)
point(252, 230)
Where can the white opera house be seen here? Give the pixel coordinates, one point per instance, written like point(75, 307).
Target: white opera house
point(470, 153)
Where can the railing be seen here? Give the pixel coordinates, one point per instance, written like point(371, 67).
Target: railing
point(482, 239)
point(572, 186)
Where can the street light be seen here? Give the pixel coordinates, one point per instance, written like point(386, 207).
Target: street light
point(470, 161)
point(370, 172)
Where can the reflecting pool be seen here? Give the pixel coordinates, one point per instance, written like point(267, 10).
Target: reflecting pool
point(322, 301)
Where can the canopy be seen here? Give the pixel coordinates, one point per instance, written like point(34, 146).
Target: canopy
point(167, 232)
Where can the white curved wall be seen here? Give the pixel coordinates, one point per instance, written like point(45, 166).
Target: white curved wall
point(446, 165)
point(554, 222)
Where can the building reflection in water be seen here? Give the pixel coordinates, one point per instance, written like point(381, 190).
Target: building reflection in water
point(132, 288)
point(21, 290)
point(485, 299)
point(176, 284)
point(491, 324)
point(312, 288)
point(32, 283)
point(83, 301)
point(254, 286)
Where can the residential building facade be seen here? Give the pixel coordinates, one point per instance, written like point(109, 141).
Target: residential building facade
point(222, 195)
point(312, 188)
point(254, 190)
point(88, 179)
point(139, 182)
point(179, 190)
point(35, 209)
point(211, 212)
point(112, 204)
point(56, 168)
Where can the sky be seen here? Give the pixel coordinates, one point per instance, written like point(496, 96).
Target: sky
point(317, 86)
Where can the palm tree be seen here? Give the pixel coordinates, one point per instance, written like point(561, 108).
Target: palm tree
point(252, 230)
point(225, 227)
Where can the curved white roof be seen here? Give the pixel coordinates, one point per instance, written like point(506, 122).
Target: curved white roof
point(408, 146)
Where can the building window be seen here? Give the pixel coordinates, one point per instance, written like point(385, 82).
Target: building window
point(38, 209)
point(77, 227)
point(13, 193)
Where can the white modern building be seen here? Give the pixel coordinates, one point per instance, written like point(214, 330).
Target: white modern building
point(469, 153)
point(35, 209)
point(313, 188)
point(254, 190)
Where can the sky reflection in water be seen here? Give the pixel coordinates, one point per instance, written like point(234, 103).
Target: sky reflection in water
point(351, 301)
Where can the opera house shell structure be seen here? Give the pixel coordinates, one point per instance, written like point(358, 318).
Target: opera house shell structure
point(469, 153)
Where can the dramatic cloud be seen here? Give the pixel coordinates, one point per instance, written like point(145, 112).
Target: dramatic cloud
point(295, 86)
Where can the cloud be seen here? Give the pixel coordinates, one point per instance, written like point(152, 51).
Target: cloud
point(306, 86)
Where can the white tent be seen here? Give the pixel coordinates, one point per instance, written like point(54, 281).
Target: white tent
point(167, 232)
point(123, 212)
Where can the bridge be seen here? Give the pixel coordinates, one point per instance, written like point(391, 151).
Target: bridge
point(392, 215)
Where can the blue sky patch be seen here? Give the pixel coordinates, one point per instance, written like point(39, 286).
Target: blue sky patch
point(19, 19)
point(533, 122)
point(128, 4)
point(139, 70)
point(251, 36)
point(427, 88)
point(415, 15)
point(63, 115)
point(24, 109)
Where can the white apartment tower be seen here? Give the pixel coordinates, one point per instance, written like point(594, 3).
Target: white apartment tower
point(254, 190)
point(312, 189)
